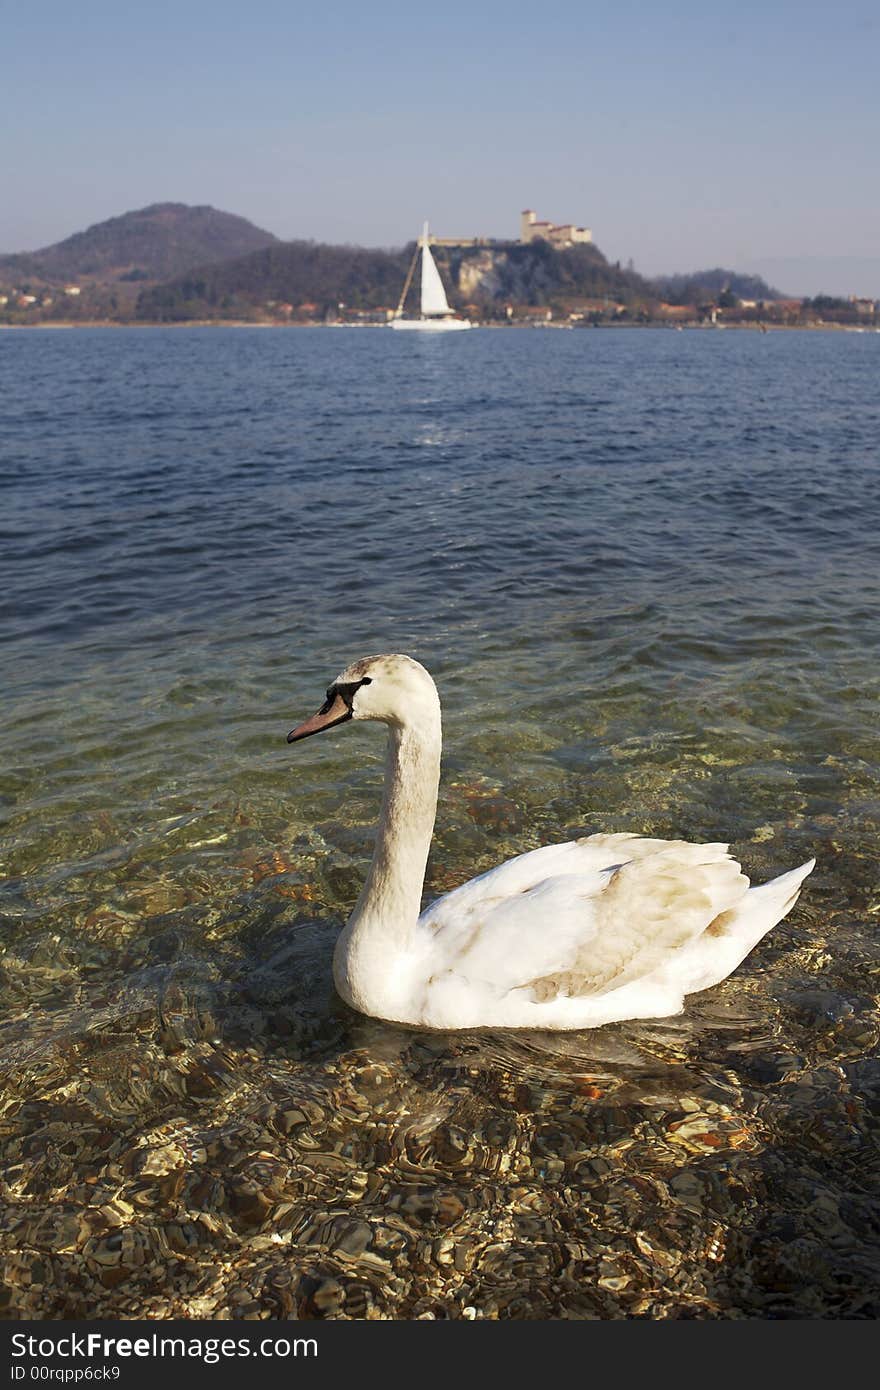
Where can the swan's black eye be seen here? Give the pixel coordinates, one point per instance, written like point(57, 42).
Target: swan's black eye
point(348, 690)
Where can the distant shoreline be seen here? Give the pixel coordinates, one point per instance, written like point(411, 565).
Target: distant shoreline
point(65, 324)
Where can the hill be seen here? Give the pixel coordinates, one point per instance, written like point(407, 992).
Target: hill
point(171, 262)
point(328, 277)
point(702, 286)
point(291, 272)
point(152, 243)
point(537, 273)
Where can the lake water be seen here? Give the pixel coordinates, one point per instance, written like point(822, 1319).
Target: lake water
point(643, 568)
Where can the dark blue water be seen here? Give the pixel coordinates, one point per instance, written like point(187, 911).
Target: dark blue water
point(194, 482)
point(643, 566)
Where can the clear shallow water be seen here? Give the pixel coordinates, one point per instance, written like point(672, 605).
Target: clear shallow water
point(643, 569)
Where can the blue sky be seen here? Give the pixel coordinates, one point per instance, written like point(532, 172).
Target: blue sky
point(686, 135)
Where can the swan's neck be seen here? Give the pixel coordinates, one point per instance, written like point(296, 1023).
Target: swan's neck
point(381, 927)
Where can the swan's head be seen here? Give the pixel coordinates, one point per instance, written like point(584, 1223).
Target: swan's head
point(394, 689)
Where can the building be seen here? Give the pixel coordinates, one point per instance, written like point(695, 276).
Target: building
point(382, 314)
point(683, 312)
point(459, 240)
point(558, 234)
point(529, 313)
point(605, 307)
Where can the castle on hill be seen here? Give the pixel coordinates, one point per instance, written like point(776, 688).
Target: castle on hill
point(558, 234)
point(530, 229)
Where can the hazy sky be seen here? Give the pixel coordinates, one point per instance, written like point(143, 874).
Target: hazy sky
point(687, 134)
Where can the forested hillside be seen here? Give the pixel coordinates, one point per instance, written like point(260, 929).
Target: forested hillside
point(153, 243)
point(327, 277)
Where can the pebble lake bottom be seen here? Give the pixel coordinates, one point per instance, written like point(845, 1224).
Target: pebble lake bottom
point(643, 569)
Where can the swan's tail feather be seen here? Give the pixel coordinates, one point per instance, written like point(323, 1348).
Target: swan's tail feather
point(728, 940)
point(767, 904)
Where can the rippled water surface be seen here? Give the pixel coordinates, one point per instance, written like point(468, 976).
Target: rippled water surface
point(643, 567)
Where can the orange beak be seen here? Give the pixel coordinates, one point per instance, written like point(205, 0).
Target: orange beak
point(333, 711)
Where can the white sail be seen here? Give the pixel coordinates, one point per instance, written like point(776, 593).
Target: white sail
point(435, 313)
point(434, 299)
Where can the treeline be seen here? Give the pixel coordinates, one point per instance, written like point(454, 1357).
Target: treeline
point(294, 272)
point(324, 280)
point(716, 286)
point(831, 309)
point(539, 274)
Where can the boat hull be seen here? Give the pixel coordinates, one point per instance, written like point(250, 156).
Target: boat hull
point(431, 325)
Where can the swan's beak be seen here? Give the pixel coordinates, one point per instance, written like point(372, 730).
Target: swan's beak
point(333, 711)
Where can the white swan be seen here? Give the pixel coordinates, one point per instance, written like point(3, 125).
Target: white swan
point(573, 935)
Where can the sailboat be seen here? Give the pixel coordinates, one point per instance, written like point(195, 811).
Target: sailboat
point(436, 315)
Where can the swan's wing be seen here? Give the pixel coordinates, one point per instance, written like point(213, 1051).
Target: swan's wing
point(585, 856)
point(582, 917)
point(652, 908)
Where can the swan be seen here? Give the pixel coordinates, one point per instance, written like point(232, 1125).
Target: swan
point(573, 935)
